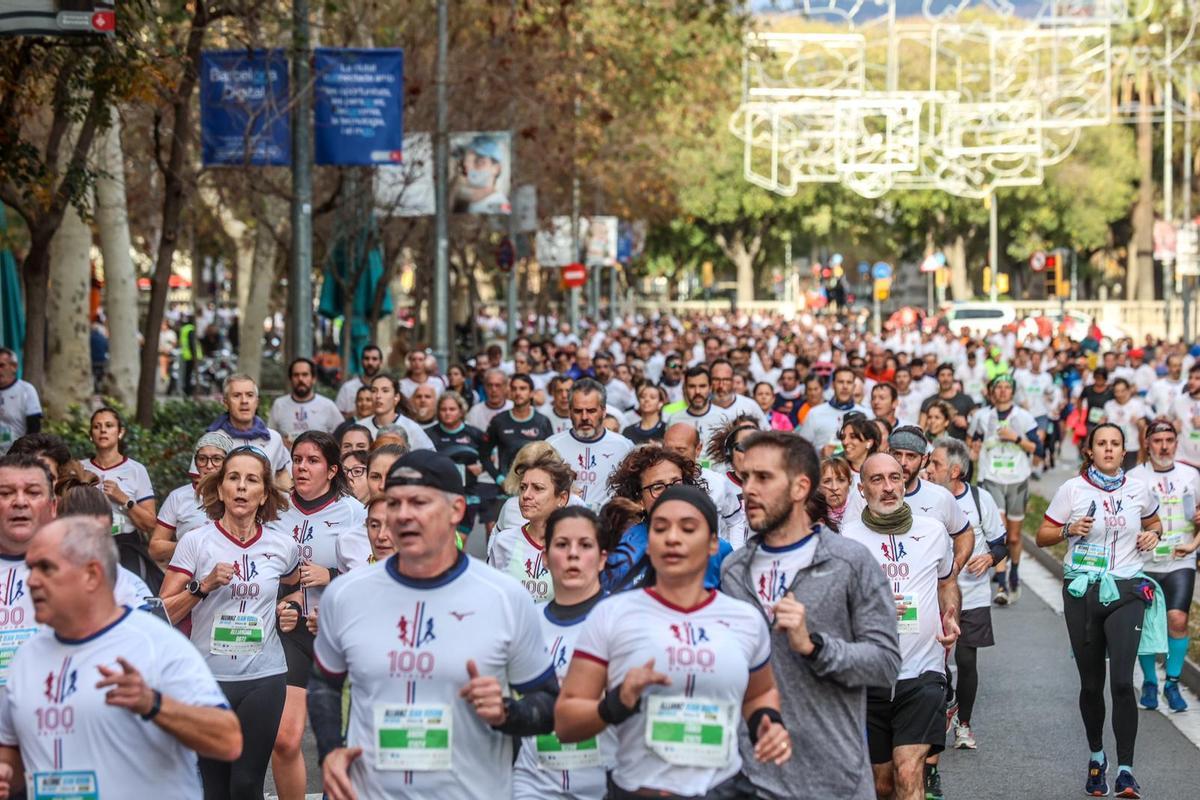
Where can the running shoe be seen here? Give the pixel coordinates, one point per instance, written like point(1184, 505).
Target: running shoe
point(1149, 699)
point(1173, 696)
point(964, 737)
point(933, 784)
point(1126, 786)
point(951, 713)
point(1097, 783)
point(1014, 584)
point(1000, 598)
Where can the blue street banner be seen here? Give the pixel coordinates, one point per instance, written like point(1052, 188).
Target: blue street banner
point(244, 118)
point(358, 106)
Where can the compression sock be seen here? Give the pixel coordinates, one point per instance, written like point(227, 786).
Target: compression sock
point(1098, 756)
point(1176, 654)
point(1149, 669)
point(1013, 580)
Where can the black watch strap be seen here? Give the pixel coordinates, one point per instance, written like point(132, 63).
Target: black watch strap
point(818, 643)
point(155, 708)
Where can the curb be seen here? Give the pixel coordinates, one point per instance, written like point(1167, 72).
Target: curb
point(1190, 676)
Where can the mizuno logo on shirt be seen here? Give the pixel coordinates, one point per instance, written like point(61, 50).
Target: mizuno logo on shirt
point(461, 615)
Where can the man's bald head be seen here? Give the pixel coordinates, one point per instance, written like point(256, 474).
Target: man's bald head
point(683, 438)
point(882, 483)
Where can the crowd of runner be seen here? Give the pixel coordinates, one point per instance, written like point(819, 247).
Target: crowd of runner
point(677, 558)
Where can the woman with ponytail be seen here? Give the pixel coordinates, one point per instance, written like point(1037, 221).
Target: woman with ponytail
point(1109, 521)
point(829, 605)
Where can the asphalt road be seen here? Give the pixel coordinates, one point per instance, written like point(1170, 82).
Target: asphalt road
point(1031, 740)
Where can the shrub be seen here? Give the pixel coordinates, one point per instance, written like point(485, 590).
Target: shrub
point(165, 448)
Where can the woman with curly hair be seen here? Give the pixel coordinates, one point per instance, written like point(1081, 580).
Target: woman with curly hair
point(636, 484)
point(725, 448)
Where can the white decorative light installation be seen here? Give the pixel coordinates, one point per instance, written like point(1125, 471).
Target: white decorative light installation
point(960, 102)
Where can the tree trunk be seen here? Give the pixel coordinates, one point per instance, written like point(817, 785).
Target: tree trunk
point(70, 382)
point(1139, 282)
point(120, 276)
point(180, 138)
point(742, 251)
point(258, 295)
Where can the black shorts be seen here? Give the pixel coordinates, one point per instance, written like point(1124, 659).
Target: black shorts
point(1178, 587)
point(975, 625)
point(915, 713)
point(298, 650)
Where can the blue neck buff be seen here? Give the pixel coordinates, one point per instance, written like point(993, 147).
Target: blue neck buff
point(846, 406)
point(258, 430)
point(1106, 482)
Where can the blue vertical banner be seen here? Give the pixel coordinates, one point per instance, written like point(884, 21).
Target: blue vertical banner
point(244, 117)
point(358, 106)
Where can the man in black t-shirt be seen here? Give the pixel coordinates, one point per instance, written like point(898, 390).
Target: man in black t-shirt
point(949, 392)
point(1094, 396)
point(511, 430)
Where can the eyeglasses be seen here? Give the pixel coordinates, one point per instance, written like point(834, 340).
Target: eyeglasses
point(204, 461)
point(673, 365)
point(658, 487)
point(356, 472)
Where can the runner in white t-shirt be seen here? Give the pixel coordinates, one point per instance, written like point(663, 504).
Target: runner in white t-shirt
point(20, 408)
point(106, 701)
point(226, 575)
point(696, 660)
point(1109, 520)
point(949, 464)
point(544, 485)
point(823, 423)
point(1172, 562)
point(183, 511)
point(907, 723)
point(1129, 412)
point(437, 647)
point(303, 409)
point(1185, 413)
point(124, 481)
point(588, 447)
point(547, 768)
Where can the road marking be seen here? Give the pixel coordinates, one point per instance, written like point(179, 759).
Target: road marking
point(1037, 578)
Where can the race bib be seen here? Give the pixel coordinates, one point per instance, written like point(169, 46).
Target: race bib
point(1002, 463)
point(413, 737)
point(690, 731)
point(1091, 557)
point(10, 643)
point(554, 755)
point(236, 635)
point(1165, 550)
point(65, 786)
point(1095, 415)
point(908, 623)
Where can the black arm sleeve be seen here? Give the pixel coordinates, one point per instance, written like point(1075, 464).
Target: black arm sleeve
point(532, 714)
point(325, 711)
point(999, 550)
point(33, 424)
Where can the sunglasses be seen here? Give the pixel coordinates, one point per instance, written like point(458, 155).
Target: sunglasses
point(248, 448)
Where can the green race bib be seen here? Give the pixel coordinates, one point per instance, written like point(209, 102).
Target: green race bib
point(413, 737)
point(554, 755)
point(690, 731)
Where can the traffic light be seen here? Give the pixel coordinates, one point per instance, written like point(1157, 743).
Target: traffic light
point(1052, 273)
point(1061, 283)
point(883, 287)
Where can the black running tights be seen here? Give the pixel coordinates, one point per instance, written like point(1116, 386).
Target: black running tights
point(967, 659)
point(258, 704)
point(1112, 630)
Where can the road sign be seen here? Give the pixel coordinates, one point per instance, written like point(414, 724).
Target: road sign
point(864, 267)
point(930, 264)
point(1187, 250)
point(506, 255)
point(881, 271)
point(574, 275)
point(1037, 261)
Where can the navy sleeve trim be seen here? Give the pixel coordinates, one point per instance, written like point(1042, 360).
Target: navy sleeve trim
point(536, 682)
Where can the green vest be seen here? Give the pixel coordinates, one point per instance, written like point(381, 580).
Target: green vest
point(189, 345)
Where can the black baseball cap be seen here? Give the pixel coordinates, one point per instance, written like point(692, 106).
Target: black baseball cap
point(425, 468)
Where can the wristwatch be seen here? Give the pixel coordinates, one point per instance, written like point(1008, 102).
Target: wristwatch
point(193, 587)
point(129, 504)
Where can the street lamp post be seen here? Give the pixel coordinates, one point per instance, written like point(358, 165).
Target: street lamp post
point(440, 318)
point(300, 321)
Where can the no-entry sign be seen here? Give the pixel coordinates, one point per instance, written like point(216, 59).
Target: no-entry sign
point(574, 275)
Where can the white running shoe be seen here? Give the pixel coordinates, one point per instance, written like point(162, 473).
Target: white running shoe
point(964, 739)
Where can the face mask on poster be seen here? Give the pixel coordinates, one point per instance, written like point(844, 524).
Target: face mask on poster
point(479, 178)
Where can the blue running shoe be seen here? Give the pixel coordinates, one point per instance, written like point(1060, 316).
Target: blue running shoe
point(1127, 786)
point(1097, 783)
point(1149, 699)
point(1174, 698)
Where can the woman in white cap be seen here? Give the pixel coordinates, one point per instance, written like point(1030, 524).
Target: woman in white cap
point(183, 510)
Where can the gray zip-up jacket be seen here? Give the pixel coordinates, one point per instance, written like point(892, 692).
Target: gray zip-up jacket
point(824, 697)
